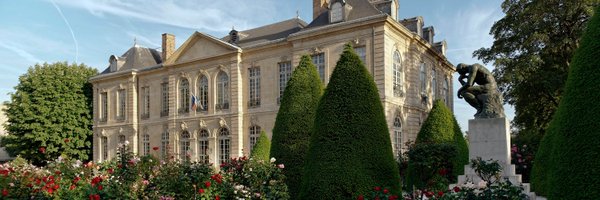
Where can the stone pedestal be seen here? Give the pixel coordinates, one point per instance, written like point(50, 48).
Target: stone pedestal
point(490, 139)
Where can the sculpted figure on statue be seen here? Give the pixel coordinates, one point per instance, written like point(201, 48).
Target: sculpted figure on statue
point(484, 96)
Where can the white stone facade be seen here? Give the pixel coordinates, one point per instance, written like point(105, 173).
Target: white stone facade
point(203, 55)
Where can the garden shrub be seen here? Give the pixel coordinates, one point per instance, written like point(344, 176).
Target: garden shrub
point(543, 163)
point(262, 147)
point(575, 155)
point(430, 165)
point(350, 149)
point(294, 122)
point(441, 127)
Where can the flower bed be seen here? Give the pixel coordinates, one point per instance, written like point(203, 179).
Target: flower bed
point(132, 177)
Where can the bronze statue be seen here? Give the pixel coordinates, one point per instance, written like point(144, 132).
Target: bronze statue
point(484, 96)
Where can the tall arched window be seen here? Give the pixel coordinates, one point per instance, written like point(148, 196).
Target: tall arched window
point(433, 84)
point(184, 96)
point(423, 79)
point(254, 135)
point(146, 142)
point(222, 91)
point(184, 145)
point(398, 75)
point(445, 92)
point(224, 145)
point(203, 146)
point(397, 140)
point(203, 94)
point(164, 144)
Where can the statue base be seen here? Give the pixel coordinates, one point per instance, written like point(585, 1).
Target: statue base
point(490, 139)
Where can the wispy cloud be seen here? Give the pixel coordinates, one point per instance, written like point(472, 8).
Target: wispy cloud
point(69, 27)
point(208, 15)
point(20, 51)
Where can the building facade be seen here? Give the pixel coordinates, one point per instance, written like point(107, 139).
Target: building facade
point(208, 99)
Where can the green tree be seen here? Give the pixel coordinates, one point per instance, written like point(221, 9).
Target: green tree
point(574, 161)
point(350, 151)
point(261, 149)
point(440, 127)
point(294, 122)
point(50, 113)
point(532, 51)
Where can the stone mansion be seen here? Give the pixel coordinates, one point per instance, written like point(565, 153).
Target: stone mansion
point(209, 99)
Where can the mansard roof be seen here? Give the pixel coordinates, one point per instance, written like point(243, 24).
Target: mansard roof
point(137, 57)
point(360, 9)
point(268, 33)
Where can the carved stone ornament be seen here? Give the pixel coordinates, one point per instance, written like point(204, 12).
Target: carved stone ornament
point(184, 126)
point(254, 120)
point(484, 96)
point(202, 124)
point(222, 123)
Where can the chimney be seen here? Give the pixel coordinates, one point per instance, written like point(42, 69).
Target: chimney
point(414, 24)
point(168, 46)
point(319, 6)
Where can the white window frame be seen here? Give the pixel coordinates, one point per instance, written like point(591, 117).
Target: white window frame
point(146, 144)
point(222, 91)
point(185, 151)
point(254, 87)
point(253, 135)
point(203, 145)
point(398, 75)
point(285, 73)
point(203, 93)
point(319, 62)
point(224, 145)
point(121, 103)
point(184, 96)
point(164, 102)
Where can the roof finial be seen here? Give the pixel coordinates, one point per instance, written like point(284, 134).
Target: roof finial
point(297, 14)
point(135, 41)
point(232, 27)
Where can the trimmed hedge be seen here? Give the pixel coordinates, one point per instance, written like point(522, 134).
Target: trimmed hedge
point(262, 148)
point(350, 149)
point(575, 149)
point(441, 127)
point(294, 122)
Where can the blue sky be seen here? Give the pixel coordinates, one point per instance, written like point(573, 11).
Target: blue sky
point(89, 31)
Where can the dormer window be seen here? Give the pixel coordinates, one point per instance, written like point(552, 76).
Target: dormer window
point(113, 63)
point(336, 14)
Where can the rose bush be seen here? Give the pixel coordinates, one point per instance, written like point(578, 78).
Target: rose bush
point(131, 177)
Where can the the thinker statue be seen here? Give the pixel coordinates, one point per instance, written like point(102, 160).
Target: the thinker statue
point(484, 96)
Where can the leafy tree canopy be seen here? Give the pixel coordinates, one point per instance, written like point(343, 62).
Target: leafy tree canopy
point(532, 53)
point(50, 113)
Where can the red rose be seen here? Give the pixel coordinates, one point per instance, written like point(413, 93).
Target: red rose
point(217, 197)
point(110, 170)
point(72, 187)
point(50, 190)
point(377, 188)
point(360, 197)
point(429, 194)
point(440, 193)
point(96, 197)
point(385, 191)
point(42, 149)
point(207, 184)
point(456, 189)
point(99, 187)
point(393, 197)
point(155, 148)
point(66, 140)
point(443, 171)
point(57, 172)
point(4, 192)
point(200, 191)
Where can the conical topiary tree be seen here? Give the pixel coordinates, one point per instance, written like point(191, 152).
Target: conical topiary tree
point(350, 149)
point(575, 152)
point(294, 122)
point(261, 149)
point(441, 127)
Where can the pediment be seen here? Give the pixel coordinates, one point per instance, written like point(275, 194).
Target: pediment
point(200, 46)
